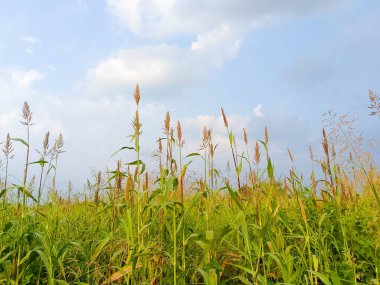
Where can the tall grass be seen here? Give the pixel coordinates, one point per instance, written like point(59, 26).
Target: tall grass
point(164, 227)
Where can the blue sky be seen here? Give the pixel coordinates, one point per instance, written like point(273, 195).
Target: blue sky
point(275, 63)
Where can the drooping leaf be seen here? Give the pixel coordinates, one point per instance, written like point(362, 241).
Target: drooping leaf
point(21, 141)
point(123, 148)
point(26, 192)
point(192, 154)
point(234, 196)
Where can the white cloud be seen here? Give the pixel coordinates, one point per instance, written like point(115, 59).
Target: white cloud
point(150, 66)
point(258, 112)
point(164, 65)
point(31, 41)
point(162, 18)
point(219, 28)
point(50, 67)
point(19, 78)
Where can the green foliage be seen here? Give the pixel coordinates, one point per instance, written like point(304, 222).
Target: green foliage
point(168, 230)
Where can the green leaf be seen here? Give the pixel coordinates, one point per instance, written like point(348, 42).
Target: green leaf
point(5, 257)
point(243, 280)
point(7, 227)
point(325, 279)
point(234, 196)
point(217, 173)
point(26, 192)
point(246, 269)
point(231, 137)
point(123, 148)
point(138, 162)
point(192, 154)
point(239, 167)
point(270, 169)
point(21, 141)
point(100, 247)
point(60, 282)
point(3, 192)
point(41, 162)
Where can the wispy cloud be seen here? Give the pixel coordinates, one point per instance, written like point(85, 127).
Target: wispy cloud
point(30, 41)
point(258, 111)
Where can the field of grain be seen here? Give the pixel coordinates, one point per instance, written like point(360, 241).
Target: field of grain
point(166, 227)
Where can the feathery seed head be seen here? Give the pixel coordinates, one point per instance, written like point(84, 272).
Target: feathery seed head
point(374, 103)
point(245, 136)
point(167, 123)
point(325, 143)
point(212, 150)
point(224, 118)
point(26, 114)
point(179, 131)
point(8, 148)
point(181, 141)
point(137, 94)
point(58, 145)
point(257, 153)
point(46, 142)
point(311, 153)
point(136, 123)
point(206, 137)
point(290, 155)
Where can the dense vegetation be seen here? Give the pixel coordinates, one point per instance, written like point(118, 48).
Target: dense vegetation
point(132, 227)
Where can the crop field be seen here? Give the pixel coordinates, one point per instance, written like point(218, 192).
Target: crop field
point(165, 226)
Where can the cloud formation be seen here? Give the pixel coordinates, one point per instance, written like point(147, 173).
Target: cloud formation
point(218, 36)
point(31, 41)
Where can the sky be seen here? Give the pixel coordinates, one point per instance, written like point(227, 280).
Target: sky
point(280, 64)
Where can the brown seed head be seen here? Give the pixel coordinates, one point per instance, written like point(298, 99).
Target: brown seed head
point(136, 123)
point(167, 123)
point(266, 137)
point(146, 182)
point(257, 153)
point(26, 114)
point(58, 145)
point(333, 153)
point(8, 148)
point(159, 146)
point(311, 153)
point(99, 177)
point(128, 188)
point(374, 103)
point(46, 142)
point(179, 131)
point(325, 143)
point(181, 141)
point(205, 134)
point(206, 137)
point(245, 136)
point(137, 94)
point(212, 149)
point(224, 118)
point(290, 155)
